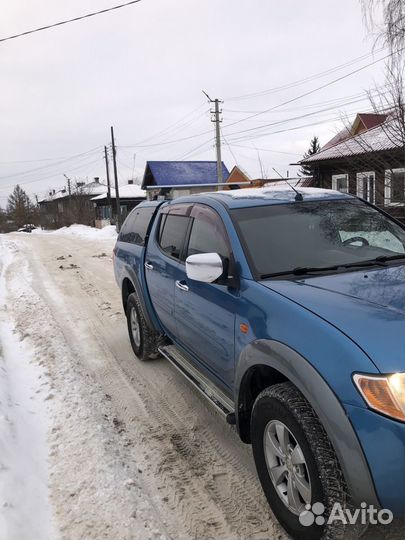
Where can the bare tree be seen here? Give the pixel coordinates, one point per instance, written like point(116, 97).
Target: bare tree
point(392, 32)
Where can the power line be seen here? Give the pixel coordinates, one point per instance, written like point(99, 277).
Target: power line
point(267, 150)
point(42, 179)
point(174, 126)
point(193, 150)
point(314, 89)
point(60, 23)
point(310, 78)
point(299, 117)
point(335, 101)
point(50, 165)
point(333, 119)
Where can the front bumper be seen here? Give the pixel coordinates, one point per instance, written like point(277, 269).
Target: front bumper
point(383, 442)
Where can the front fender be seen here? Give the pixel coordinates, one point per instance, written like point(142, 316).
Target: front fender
point(292, 366)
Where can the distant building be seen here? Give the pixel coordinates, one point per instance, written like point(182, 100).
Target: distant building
point(238, 176)
point(368, 160)
point(61, 208)
point(105, 210)
point(189, 176)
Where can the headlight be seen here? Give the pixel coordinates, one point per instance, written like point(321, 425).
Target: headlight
point(383, 393)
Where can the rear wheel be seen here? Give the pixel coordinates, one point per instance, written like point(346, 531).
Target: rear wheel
point(144, 341)
point(297, 466)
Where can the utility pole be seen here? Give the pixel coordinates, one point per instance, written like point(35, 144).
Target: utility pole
point(117, 194)
point(217, 120)
point(107, 170)
point(69, 187)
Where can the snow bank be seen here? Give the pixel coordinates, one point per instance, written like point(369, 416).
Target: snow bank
point(24, 506)
point(82, 231)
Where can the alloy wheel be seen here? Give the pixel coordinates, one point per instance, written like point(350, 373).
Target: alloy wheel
point(287, 467)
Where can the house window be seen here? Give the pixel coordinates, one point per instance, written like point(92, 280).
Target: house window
point(340, 182)
point(395, 187)
point(365, 182)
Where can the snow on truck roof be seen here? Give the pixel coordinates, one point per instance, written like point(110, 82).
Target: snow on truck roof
point(239, 198)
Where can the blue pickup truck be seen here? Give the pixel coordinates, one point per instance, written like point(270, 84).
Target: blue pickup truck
point(287, 311)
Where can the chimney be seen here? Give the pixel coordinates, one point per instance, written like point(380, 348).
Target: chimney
point(50, 193)
point(130, 181)
point(97, 179)
point(53, 192)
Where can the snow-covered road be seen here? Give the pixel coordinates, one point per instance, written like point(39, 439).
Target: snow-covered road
point(94, 443)
point(134, 451)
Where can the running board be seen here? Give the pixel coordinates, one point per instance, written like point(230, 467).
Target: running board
point(217, 398)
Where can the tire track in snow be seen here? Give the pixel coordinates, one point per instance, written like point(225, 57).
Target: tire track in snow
point(192, 461)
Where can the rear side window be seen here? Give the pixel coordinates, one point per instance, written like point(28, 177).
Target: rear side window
point(136, 225)
point(173, 231)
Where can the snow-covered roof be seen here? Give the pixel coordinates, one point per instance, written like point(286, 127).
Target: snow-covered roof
point(376, 139)
point(92, 188)
point(128, 191)
point(295, 182)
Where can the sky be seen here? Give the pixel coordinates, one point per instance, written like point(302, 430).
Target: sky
point(142, 69)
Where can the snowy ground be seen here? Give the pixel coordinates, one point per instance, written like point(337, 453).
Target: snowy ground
point(134, 452)
point(95, 444)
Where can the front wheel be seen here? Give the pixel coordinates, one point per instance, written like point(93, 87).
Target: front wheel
point(297, 466)
point(144, 341)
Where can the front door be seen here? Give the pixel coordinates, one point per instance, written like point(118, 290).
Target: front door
point(205, 312)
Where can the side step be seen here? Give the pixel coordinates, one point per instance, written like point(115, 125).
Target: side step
point(217, 398)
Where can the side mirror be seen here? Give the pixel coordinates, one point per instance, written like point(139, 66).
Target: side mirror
point(206, 267)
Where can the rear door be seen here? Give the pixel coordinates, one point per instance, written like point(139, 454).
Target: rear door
point(205, 312)
point(163, 264)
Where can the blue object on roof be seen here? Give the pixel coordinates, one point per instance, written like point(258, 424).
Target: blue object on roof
point(169, 173)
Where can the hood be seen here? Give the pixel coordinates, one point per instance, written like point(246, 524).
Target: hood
point(367, 306)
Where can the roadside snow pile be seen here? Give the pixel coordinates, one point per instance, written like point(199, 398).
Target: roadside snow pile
point(24, 504)
point(83, 231)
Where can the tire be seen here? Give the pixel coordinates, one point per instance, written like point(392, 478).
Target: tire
point(144, 341)
point(312, 464)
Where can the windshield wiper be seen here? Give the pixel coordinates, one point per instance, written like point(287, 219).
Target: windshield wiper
point(386, 258)
point(301, 270)
point(377, 261)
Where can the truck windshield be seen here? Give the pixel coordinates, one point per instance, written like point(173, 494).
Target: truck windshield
point(316, 236)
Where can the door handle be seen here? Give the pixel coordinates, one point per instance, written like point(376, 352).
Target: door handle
point(148, 266)
point(181, 285)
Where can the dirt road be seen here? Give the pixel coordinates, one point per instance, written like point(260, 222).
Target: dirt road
point(135, 451)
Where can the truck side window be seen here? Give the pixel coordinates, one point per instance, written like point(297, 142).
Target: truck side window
point(173, 233)
point(134, 229)
point(208, 233)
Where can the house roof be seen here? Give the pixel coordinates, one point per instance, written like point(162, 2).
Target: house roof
point(92, 188)
point(128, 191)
point(376, 139)
point(368, 120)
point(167, 173)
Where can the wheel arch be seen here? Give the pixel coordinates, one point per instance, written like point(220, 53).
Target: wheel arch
point(130, 284)
point(275, 362)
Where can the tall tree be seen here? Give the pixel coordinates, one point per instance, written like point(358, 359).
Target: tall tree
point(19, 207)
point(314, 147)
point(392, 30)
